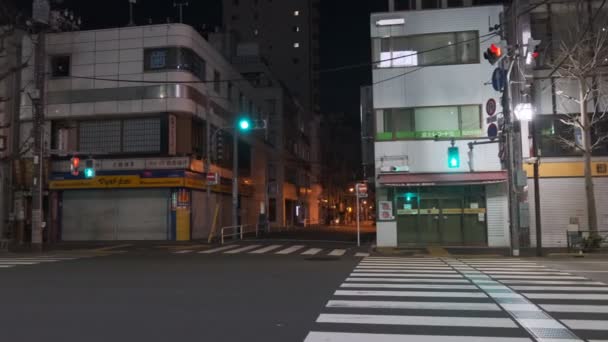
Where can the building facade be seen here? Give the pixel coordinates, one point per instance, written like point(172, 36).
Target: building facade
point(143, 103)
point(286, 34)
point(430, 93)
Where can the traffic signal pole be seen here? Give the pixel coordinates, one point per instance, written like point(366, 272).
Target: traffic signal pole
point(235, 178)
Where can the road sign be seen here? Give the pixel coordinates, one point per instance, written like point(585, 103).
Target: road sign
point(213, 178)
point(361, 190)
point(499, 78)
point(492, 131)
point(491, 107)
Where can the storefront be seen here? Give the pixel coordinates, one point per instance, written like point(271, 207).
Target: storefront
point(443, 209)
point(138, 205)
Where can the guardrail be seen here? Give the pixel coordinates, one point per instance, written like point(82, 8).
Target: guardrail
point(239, 231)
point(587, 239)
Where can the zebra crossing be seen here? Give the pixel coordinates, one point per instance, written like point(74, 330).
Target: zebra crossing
point(10, 262)
point(392, 299)
point(277, 249)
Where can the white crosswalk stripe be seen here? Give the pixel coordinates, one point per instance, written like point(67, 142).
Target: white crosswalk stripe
point(242, 249)
point(266, 249)
point(407, 299)
point(312, 251)
point(337, 252)
point(6, 263)
point(290, 250)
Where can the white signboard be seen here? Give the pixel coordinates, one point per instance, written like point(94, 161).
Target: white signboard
point(385, 210)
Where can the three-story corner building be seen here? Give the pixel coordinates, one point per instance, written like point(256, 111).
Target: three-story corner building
point(429, 90)
point(141, 101)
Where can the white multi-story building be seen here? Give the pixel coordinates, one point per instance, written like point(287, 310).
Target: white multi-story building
point(138, 101)
point(429, 90)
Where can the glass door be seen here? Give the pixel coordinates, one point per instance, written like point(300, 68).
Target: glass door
point(451, 221)
point(428, 230)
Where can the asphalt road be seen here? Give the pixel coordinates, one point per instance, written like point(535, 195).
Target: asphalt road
point(160, 296)
point(237, 294)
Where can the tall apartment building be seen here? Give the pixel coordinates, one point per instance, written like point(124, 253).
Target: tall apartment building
point(286, 34)
point(141, 102)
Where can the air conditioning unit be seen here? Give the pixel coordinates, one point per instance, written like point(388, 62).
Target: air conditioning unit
point(395, 168)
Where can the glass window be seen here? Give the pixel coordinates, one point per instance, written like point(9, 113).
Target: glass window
point(428, 122)
point(141, 135)
point(99, 136)
point(229, 95)
point(426, 4)
point(173, 58)
point(60, 66)
point(427, 49)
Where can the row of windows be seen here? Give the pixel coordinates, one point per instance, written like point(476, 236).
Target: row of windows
point(405, 5)
point(141, 135)
point(439, 49)
point(551, 133)
point(428, 122)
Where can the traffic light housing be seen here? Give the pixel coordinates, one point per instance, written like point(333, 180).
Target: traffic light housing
point(75, 166)
point(493, 53)
point(89, 169)
point(453, 157)
point(245, 124)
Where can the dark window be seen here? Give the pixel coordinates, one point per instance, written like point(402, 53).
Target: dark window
point(296, 29)
point(427, 4)
point(173, 58)
point(235, 2)
point(216, 82)
point(553, 136)
point(272, 209)
point(296, 60)
point(235, 17)
point(136, 135)
point(60, 66)
point(229, 95)
point(256, 16)
point(455, 3)
point(404, 5)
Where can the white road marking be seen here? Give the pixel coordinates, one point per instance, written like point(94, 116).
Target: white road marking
point(567, 296)
point(418, 320)
point(520, 307)
point(415, 280)
point(540, 323)
point(337, 252)
point(19, 262)
point(526, 273)
point(184, 251)
point(312, 251)
point(265, 249)
point(290, 249)
point(411, 286)
point(575, 308)
point(446, 294)
point(555, 277)
point(6, 266)
point(219, 249)
point(405, 275)
point(562, 288)
point(399, 270)
point(314, 336)
point(552, 282)
point(583, 324)
point(242, 249)
point(360, 254)
point(397, 267)
point(412, 305)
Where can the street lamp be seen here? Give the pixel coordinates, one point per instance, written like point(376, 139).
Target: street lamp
point(524, 111)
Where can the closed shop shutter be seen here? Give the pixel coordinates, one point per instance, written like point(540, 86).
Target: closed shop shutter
point(497, 215)
point(561, 199)
point(140, 214)
point(200, 227)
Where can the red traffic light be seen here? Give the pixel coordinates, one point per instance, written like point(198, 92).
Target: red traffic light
point(535, 54)
point(495, 50)
point(75, 162)
point(74, 166)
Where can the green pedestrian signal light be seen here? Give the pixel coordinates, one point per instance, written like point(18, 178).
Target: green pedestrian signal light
point(89, 169)
point(244, 124)
point(453, 157)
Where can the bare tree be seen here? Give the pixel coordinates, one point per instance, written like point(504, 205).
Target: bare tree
point(581, 67)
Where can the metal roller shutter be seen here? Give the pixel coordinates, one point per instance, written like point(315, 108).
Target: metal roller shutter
point(140, 214)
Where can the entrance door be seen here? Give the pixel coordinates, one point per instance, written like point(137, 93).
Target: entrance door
point(451, 221)
point(428, 230)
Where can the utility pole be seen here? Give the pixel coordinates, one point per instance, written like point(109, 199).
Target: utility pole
point(180, 5)
point(38, 148)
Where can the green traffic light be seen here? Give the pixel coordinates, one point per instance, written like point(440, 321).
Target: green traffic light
point(89, 172)
point(244, 124)
point(453, 158)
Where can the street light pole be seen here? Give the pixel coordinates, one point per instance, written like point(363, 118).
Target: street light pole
point(235, 178)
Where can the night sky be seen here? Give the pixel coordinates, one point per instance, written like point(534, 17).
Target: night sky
point(344, 40)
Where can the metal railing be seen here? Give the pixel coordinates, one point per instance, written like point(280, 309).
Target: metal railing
point(239, 231)
point(587, 239)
